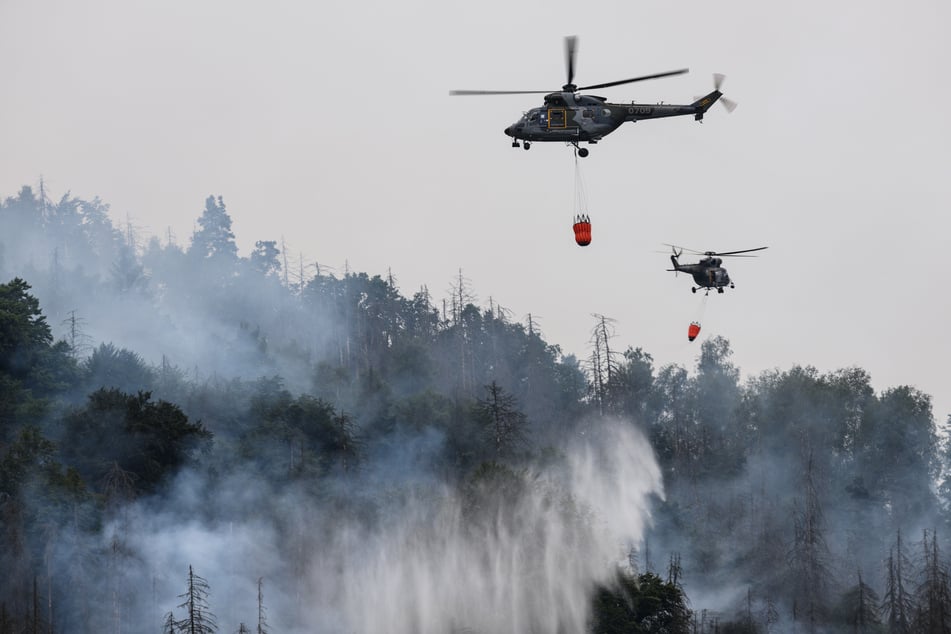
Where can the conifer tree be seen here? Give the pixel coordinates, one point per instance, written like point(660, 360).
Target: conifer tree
point(462, 298)
point(345, 442)
point(934, 590)
point(264, 258)
point(198, 619)
point(810, 555)
point(504, 424)
point(859, 608)
point(169, 625)
point(603, 363)
point(262, 612)
point(897, 602)
point(214, 240)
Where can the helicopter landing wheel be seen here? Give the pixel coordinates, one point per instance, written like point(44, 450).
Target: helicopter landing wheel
point(582, 152)
point(693, 289)
point(731, 285)
point(514, 143)
point(527, 145)
point(720, 290)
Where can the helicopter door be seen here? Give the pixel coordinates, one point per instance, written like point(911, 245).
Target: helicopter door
point(556, 117)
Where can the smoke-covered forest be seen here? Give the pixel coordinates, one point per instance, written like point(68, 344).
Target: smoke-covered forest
point(194, 441)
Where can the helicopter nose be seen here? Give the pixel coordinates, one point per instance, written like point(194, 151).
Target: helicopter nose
point(508, 131)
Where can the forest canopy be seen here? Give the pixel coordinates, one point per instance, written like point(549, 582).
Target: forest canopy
point(165, 405)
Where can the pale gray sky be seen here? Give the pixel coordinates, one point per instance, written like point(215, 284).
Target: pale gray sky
point(330, 124)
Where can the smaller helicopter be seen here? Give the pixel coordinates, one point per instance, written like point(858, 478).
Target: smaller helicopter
point(707, 273)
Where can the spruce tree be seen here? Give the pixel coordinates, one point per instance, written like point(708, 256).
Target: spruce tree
point(199, 618)
point(897, 603)
point(503, 423)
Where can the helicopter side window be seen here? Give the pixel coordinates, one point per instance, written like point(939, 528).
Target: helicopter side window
point(587, 113)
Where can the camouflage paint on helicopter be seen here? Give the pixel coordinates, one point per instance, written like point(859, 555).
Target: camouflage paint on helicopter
point(571, 117)
point(708, 273)
point(574, 118)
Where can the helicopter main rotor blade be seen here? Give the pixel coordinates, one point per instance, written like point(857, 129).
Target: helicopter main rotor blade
point(458, 93)
point(633, 79)
point(742, 251)
point(734, 254)
point(571, 44)
point(682, 249)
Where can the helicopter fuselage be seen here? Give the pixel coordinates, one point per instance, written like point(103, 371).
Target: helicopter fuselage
point(707, 273)
point(573, 118)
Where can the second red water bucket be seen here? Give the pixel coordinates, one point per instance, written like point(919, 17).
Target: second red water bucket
point(693, 330)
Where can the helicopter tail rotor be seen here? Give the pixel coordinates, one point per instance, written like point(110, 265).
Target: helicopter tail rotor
point(674, 249)
point(675, 255)
point(706, 101)
point(729, 104)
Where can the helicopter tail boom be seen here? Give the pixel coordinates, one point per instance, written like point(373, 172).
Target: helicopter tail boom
point(703, 103)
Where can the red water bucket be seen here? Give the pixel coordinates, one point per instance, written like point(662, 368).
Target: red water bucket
point(582, 229)
point(693, 330)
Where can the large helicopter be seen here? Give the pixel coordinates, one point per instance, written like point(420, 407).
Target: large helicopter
point(708, 272)
point(574, 118)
